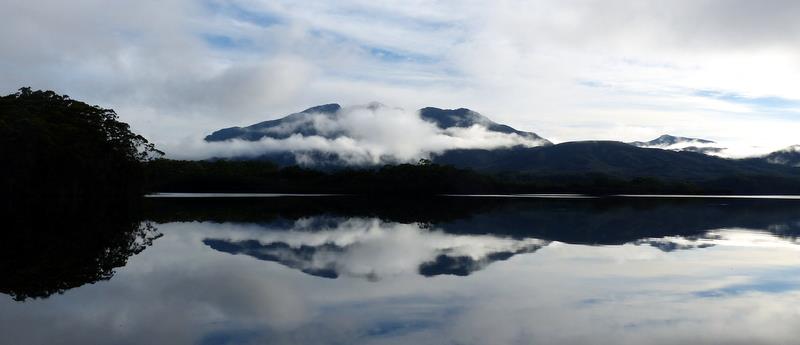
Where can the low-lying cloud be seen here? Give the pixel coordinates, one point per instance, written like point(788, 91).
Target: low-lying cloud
point(358, 135)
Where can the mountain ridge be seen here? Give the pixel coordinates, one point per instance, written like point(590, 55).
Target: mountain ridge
point(667, 156)
point(788, 156)
point(302, 123)
point(668, 140)
point(463, 117)
point(678, 143)
point(608, 157)
point(256, 131)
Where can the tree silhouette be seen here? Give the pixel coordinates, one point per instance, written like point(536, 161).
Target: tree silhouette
point(57, 148)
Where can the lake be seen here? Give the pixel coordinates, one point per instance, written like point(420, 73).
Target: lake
point(445, 270)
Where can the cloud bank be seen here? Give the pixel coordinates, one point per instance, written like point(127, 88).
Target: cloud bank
point(359, 135)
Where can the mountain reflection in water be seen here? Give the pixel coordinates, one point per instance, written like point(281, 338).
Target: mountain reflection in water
point(370, 248)
point(443, 270)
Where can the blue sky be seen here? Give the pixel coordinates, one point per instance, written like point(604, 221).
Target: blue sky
point(568, 70)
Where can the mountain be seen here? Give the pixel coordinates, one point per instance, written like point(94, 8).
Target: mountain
point(303, 123)
point(330, 260)
point(608, 157)
point(674, 143)
point(461, 117)
point(669, 140)
point(788, 156)
point(282, 128)
point(670, 158)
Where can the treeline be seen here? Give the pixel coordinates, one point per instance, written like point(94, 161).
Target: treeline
point(165, 175)
point(262, 176)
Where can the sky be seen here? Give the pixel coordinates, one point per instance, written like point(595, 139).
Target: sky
point(725, 70)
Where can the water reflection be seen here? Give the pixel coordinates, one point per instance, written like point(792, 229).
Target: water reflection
point(603, 221)
point(55, 250)
point(369, 248)
point(463, 272)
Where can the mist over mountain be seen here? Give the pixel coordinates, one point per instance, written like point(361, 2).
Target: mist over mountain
point(667, 140)
point(372, 134)
point(676, 143)
point(788, 156)
point(465, 118)
point(332, 136)
point(301, 123)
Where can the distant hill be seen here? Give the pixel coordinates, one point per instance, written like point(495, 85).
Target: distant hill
point(667, 140)
point(675, 143)
point(788, 156)
point(609, 157)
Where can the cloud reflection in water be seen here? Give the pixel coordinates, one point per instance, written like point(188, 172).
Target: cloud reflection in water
point(602, 276)
point(372, 249)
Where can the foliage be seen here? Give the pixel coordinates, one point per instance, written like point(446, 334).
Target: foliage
point(56, 147)
point(425, 178)
point(262, 176)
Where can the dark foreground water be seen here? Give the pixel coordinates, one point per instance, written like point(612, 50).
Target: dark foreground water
point(338, 270)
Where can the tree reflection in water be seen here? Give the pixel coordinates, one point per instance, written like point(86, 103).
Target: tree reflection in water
point(60, 247)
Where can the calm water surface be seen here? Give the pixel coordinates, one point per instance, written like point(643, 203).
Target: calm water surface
point(339, 270)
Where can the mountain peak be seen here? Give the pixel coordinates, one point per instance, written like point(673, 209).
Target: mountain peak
point(787, 156)
point(374, 105)
point(676, 143)
point(463, 117)
point(667, 140)
point(446, 118)
point(325, 108)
